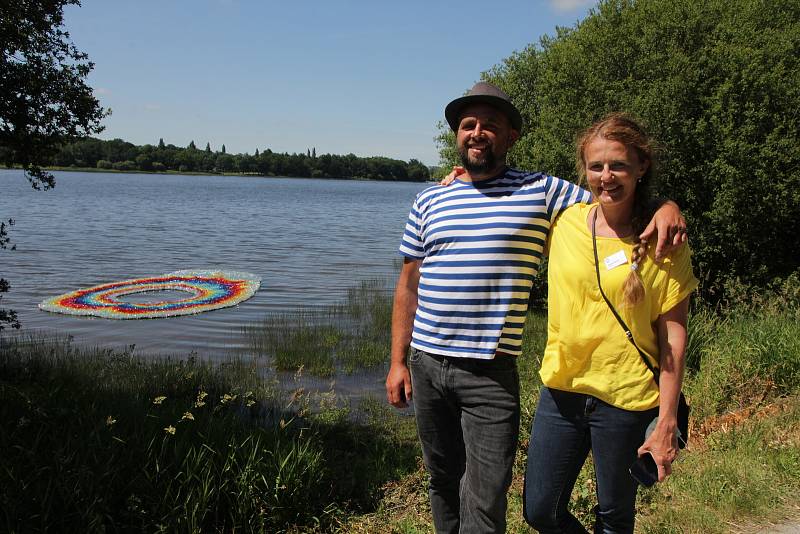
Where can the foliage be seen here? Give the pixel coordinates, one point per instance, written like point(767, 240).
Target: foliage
point(98, 440)
point(45, 100)
point(121, 155)
point(717, 82)
point(743, 461)
point(347, 336)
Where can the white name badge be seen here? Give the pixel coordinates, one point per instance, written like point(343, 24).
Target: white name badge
point(615, 260)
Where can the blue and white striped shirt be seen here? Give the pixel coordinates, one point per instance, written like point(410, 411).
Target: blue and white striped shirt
point(480, 244)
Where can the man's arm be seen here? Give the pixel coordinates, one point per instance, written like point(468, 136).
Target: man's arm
point(398, 381)
point(669, 225)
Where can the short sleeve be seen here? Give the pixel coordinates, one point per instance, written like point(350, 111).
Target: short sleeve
point(681, 280)
point(561, 194)
point(412, 245)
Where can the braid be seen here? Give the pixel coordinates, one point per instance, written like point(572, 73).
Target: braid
point(633, 288)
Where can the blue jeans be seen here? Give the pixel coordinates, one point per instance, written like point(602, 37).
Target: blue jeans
point(467, 414)
point(566, 426)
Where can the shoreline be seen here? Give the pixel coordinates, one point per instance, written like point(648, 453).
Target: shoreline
point(220, 174)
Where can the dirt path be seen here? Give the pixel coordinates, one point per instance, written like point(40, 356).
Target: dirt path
point(786, 528)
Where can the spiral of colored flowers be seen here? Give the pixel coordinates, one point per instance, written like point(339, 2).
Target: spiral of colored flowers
point(208, 290)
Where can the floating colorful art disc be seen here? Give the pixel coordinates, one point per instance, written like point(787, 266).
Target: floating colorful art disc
point(208, 290)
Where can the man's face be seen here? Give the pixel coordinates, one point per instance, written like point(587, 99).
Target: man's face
point(483, 138)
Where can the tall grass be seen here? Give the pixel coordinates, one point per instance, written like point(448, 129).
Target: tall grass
point(347, 336)
point(97, 440)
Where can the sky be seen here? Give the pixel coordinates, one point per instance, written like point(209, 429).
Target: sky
point(367, 77)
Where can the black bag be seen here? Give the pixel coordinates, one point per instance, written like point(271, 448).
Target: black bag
point(683, 421)
point(683, 406)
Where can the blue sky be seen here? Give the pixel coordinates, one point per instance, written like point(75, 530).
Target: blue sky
point(361, 76)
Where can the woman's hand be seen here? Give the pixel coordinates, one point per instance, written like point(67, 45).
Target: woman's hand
point(663, 446)
point(447, 180)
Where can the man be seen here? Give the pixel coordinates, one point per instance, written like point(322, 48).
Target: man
point(471, 252)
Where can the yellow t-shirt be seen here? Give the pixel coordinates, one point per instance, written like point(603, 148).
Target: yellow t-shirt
point(587, 351)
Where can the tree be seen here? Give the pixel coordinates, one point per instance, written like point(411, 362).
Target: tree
point(44, 100)
point(161, 144)
point(717, 83)
point(223, 148)
point(418, 171)
point(192, 146)
point(208, 147)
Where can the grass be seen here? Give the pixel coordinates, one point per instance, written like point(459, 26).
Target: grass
point(103, 440)
point(98, 440)
point(742, 467)
point(345, 337)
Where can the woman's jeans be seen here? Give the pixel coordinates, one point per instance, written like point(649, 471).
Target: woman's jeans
point(467, 413)
point(566, 426)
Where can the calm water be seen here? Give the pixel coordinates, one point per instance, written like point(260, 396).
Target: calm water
point(309, 240)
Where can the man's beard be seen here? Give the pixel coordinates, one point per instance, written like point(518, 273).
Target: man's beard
point(486, 164)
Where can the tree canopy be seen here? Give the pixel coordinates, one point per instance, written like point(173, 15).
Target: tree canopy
point(124, 156)
point(717, 83)
point(44, 99)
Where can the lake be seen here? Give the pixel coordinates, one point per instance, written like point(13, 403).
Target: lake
point(309, 240)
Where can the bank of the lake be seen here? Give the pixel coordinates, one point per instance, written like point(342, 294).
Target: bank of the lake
point(105, 440)
point(118, 154)
point(55, 168)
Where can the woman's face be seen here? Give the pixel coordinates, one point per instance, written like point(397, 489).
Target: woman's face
point(612, 170)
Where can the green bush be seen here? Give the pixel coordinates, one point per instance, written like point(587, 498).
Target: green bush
point(126, 165)
point(717, 82)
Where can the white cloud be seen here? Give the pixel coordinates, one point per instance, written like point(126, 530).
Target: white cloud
point(102, 91)
point(565, 6)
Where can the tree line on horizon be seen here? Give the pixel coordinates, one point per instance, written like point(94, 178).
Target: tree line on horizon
point(121, 155)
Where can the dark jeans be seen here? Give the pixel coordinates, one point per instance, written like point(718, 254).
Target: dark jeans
point(467, 413)
point(566, 426)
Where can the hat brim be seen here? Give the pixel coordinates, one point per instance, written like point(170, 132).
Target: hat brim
point(453, 110)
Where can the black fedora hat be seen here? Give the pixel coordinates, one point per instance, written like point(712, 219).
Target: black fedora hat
point(483, 93)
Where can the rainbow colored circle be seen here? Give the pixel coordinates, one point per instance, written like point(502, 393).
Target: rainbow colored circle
point(208, 290)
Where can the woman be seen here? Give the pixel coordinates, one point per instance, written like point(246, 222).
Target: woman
point(598, 393)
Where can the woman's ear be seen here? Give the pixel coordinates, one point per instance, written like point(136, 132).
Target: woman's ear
point(645, 165)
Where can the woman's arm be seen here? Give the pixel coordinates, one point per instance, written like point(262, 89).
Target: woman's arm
point(662, 443)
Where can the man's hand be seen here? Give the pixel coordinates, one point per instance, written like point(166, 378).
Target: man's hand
point(398, 385)
point(670, 226)
point(398, 381)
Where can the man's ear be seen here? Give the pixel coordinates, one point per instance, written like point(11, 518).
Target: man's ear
point(513, 137)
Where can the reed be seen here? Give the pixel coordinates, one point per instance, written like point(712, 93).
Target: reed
point(96, 440)
point(347, 336)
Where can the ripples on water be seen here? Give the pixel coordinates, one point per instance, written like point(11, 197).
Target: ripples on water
point(309, 240)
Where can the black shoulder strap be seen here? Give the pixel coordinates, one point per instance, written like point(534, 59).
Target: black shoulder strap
point(627, 330)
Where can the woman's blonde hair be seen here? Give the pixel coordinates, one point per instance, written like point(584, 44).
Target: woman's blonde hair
point(624, 129)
